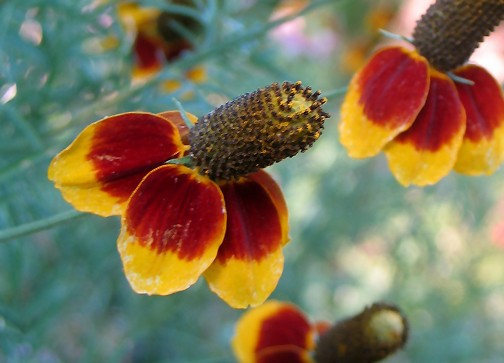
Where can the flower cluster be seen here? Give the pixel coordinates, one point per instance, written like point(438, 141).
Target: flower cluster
point(279, 332)
point(424, 107)
point(195, 201)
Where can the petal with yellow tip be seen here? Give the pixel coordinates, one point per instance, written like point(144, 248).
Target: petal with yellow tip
point(383, 99)
point(100, 169)
point(171, 230)
point(250, 260)
point(482, 150)
point(274, 332)
point(148, 58)
point(427, 151)
point(276, 195)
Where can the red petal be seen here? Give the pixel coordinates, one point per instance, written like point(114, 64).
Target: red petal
point(250, 260)
point(171, 231)
point(106, 162)
point(383, 100)
point(149, 56)
point(130, 145)
point(482, 151)
point(254, 228)
point(276, 195)
point(427, 151)
point(275, 332)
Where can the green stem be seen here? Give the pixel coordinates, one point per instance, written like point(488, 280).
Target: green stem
point(183, 113)
point(24, 126)
point(41, 224)
point(395, 36)
point(335, 92)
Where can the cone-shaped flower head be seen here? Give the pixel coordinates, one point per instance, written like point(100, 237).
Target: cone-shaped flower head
point(425, 108)
point(257, 130)
point(182, 214)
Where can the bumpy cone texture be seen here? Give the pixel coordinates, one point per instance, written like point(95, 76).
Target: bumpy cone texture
point(256, 130)
point(449, 32)
point(368, 337)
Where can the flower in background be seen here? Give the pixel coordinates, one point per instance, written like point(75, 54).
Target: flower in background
point(294, 36)
point(425, 108)
point(358, 44)
point(279, 332)
point(159, 38)
point(195, 201)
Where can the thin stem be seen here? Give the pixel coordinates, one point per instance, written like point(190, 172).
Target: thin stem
point(459, 79)
point(395, 36)
point(183, 113)
point(41, 224)
point(26, 129)
point(335, 92)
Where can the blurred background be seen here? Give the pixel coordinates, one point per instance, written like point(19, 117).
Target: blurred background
point(357, 236)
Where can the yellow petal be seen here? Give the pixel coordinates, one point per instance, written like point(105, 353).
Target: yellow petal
point(250, 260)
point(173, 226)
point(427, 151)
point(274, 332)
point(482, 150)
point(383, 99)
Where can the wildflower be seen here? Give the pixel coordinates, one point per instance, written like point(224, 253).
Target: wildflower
point(406, 102)
point(279, 332)
point(156, 41)
point(195, 201)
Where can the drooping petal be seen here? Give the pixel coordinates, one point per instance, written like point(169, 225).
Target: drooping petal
point(383, 99)
point(171, 230)
point(276, 195)
point(175, 118)
point(140, 24)
point(100, 169)
point(482, 150)
point(274, 332)
point(250, 260)
point(427, 151)
point(148, 57)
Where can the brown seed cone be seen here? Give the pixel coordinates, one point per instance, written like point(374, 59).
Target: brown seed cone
point(367, 337)
point(449, 32)
point(256, 130)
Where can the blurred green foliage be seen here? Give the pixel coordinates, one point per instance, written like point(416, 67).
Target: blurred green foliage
point(356, 235)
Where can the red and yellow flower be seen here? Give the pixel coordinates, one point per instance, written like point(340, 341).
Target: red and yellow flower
point(186, 209)
point(406, 103)
point(155, 41)
point(272, 333)
point(278, 332)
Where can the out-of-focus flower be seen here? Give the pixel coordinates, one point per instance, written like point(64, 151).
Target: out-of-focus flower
point(358, 47)
point(195, 201)
point(294, 37)
point(279, 332)
point(156, 40)
point(406, 103)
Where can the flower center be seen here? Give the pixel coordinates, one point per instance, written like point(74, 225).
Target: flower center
point(449, 32)
point(256, 130)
